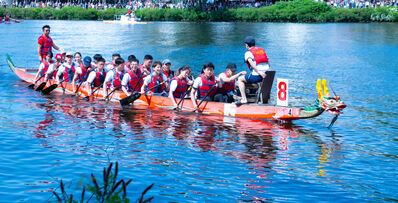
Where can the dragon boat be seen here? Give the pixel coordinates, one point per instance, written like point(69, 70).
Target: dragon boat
point(11, 21)
point(325, 102)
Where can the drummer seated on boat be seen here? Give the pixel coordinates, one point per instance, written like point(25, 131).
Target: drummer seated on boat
point(67, 70)
point(227, 82)
point(96, 78)
point(111, 66)
point(204, 87)
point(53, 69)
point(113, 79)
point(81, 73)
point(146, 65)
point(44, 65)
point(156, 82)
point(132, 76)
point(257, 61)
point(179, 85)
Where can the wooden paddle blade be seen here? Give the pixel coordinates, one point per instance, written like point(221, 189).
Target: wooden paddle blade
point(49, 89)
point(31, 86)
point(41, 86)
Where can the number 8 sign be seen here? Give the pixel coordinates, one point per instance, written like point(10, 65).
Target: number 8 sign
point(283, 93)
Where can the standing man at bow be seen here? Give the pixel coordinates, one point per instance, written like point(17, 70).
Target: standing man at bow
point(45, 43)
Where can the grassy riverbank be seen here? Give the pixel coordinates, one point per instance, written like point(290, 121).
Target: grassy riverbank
point(293, 11)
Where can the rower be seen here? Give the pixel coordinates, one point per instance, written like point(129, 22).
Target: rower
point(132, 76)
point(127, 64)
point(67, 70)
point(82, 72)
point(113, 79)
point(96, 78)
point(204, 86)
point(166, 69)
point(146, 65)
point(78, 59)
point(45, 63)
point(227, 82)
point(257, 62)
point(53, 69)
point(156, 82)
point(45, 43)
point(111, 66)
point(96, 57)
point(179, 84)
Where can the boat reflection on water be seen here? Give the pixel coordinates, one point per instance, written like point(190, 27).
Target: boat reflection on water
point(260, 144)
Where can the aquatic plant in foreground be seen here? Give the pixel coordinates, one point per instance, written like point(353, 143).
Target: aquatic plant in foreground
point(108, 190)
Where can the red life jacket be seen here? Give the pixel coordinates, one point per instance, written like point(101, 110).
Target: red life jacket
point(259, 56)
point(169, 74)
point(156, 80)
point(118, 80)
point(99, 78)
point(83, 76)
point(69, 73)
point(227, 87)
point(114, 65)
point(134, 79)
point(206, 86)
point(182, 86)
point(142, 68)
point(54, 75)
point(46, 46)
point(46, 65)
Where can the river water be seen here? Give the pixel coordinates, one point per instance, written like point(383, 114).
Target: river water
point(199, 158)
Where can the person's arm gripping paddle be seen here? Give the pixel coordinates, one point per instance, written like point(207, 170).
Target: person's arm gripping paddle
point(204, 98)
point(131, 97)
point(197, 82)
point(108, 79)
point(125, 81)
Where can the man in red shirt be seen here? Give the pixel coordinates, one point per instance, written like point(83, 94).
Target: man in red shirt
point(46, 43)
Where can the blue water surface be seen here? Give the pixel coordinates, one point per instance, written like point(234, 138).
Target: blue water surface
point(198, 158)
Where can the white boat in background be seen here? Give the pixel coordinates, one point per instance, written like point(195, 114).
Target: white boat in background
point(126, 19)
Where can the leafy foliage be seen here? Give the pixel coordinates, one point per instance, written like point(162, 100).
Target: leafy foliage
point(108, 190)
point(283, 11)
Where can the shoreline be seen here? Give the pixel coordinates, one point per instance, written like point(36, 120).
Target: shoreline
point(300, 11)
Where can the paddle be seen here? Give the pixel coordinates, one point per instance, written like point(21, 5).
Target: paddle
point(183, 97)
point(41, 86)
point(134, 96)
point(137, 95)
point(92, 93)
point(83, 79)
point(112, 92)
point(207, 94)
point(31, 86)
point(52, 87)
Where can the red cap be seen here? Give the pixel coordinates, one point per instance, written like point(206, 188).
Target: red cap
point(58, 56)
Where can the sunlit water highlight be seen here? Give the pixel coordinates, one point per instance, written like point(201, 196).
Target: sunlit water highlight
point(193, 157)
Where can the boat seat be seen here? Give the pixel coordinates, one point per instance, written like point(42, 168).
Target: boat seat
point(258, 92)
point(265, 86)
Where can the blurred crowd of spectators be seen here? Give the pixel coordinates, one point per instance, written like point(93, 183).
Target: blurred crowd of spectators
point(208, 5)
